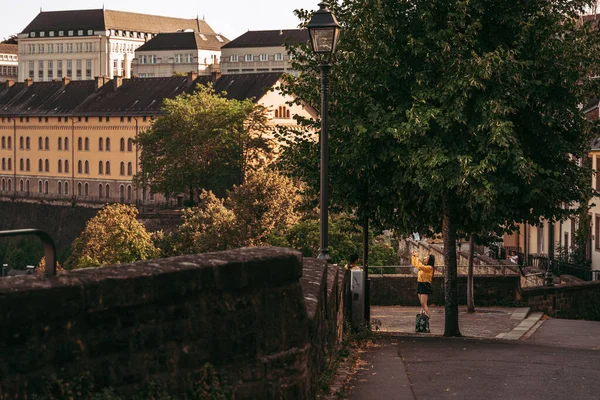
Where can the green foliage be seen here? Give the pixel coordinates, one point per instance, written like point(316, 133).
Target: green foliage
point(113, 236)
point(201, 142)
point(20, 252)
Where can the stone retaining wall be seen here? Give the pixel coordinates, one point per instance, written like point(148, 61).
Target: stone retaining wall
point(579, 300)
point(250, 312)
point(401, 290)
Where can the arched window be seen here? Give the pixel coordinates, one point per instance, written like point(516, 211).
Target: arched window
point(66, 166)
point(60, 143)
point(87, 144)
point(46, 187)
point(47, 165)
point(86, 190)
point(3, 142)
point(27, 185)
point(100, 187)
point(66, 143)
point(79, 165)
point(100, 168)
point(3, 184)
point(277, 113)
point(87, 167)
point(107, 144)
point(121, 193)
point(59, 166)
point(21, 144)
point(100, 144)
point(59, 187)
point(27, 143)
point(47, 143)
point(129, 193)
point(3, 164)
point(129, 169)
point(107, 190)
point(66, 187)
point(21, 185)
point(27, 165)
point(9, 185)
point(9, 164)
point(40, 187)
point(108, 168)
point(9, 142)
point(122, 144)
point(21, 164)
point(79, 144)
point(79, 188)
point(122, 168)
point(129, 144)
point(40, 143)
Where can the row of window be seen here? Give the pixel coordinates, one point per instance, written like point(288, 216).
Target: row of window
point(261, 57)
point(63, 188)
point(82, 167)
point(129, 48)
point(9, 57)
point(79, 119)
point(8, 71)
point(46, 69)
point(60, 48)
point(90, 32)
point(44, 144)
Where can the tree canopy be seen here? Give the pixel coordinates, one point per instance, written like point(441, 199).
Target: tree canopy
point(454, 116)
point(201, 142)
point(113, 236)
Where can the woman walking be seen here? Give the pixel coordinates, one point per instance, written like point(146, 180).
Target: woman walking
point(424, 279)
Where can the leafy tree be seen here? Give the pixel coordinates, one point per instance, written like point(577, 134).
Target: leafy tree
point(267, 201)
point(113, 236)
point(12, 39)
point(201, 142)
point(454, 116)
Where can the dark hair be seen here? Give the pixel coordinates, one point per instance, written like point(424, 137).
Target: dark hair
point(353, 258)
point(431, 263)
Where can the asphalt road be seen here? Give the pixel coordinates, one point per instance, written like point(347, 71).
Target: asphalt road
point(450, 368)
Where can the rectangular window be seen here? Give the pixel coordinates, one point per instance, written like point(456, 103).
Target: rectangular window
point(90, 32)
point(178, 58)
point(41, 49)
point(50, 48)
point(31, 69)
point(32, 34)
point(142, 59)
point(51, 33)
point(540, 239)
point(70, 33)
point(279, 57)
point(41, 70)
point(78, 47)
point(59, 69)
point(61, 33)
point(88, 69)
point(189, 58)
point(50, 70)
point(69, 68)
point(42, 34)
point(78, 70)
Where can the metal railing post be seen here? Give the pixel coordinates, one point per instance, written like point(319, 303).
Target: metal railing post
point(49, 247)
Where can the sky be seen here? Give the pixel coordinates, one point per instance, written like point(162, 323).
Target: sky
point(231, 18)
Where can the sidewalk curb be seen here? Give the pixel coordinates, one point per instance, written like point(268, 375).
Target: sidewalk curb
point(525, 329)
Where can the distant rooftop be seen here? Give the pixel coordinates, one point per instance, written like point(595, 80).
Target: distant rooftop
point(268, 38)
point(184, 41)
point(8, 48)
point(100, 20)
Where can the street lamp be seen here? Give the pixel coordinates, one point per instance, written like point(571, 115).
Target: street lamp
point(324, 32)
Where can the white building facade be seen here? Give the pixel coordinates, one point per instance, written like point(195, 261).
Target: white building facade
point(9, 62)
point(83, 44)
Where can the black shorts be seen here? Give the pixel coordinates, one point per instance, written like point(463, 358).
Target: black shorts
point(424, 288)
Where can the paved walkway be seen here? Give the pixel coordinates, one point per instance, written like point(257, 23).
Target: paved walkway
point(553, 359)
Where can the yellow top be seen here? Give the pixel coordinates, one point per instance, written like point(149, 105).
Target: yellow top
point(425, 271)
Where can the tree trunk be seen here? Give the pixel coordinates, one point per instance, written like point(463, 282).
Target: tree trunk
point(470, 294)
point(450, 272)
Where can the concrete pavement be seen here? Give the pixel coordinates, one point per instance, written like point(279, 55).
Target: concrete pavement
point(554, 359)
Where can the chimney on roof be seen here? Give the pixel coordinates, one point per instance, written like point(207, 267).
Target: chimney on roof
point(65, 80)
point(117, 82)
point(191, 76)
point(100, 81)
point(214, 76)
point(8, 83)
point(28, 82)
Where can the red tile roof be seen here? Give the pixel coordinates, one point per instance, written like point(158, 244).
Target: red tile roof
point(8, 48)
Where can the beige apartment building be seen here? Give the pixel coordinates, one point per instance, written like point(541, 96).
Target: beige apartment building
point(168, 54)
point(82, 44)
point(260, 51)
point(9, 61)
point(74, 140)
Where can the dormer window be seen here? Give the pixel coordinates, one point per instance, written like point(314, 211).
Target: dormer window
point(70, 33)
point(42, 34)
point(32, 34)
point(203, 37)
point(90, 32)
point(219, 38)
point(61, 33)
point(51, 33)
point(80, 32)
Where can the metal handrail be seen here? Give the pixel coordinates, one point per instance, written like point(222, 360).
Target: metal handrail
point(49, 247)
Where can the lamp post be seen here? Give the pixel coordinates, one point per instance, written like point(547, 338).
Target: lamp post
point(324, 31)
